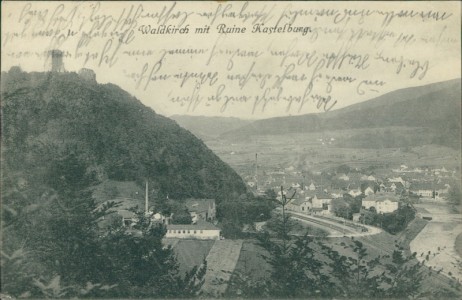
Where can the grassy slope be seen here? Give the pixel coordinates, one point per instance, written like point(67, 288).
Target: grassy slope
point(252, 264)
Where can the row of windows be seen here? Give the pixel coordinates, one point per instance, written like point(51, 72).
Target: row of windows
point(184, 231)
point(324, 207)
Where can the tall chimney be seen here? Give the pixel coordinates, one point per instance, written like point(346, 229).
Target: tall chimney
point(146, 204)
point(256, 171)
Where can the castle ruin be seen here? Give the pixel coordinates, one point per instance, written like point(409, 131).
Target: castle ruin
point(57, 64)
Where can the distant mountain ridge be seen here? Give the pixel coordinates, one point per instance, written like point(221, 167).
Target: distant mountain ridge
point(61, 128)
point(209, 127)
point(402, 95)
point(436, 107)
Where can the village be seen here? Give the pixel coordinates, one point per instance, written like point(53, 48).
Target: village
point(317, 194)
point(317, 157)
point(343, 203)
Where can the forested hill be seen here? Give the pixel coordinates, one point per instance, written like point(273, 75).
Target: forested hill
point(434, 107)
point(64, 129)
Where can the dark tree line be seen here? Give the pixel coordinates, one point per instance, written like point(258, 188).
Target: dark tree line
point(393, 223)
point(62, 137)
point(56, 247)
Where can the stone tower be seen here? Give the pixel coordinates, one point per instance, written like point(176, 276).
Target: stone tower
point(57, 61)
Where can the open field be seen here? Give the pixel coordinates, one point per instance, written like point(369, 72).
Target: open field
point(306, 147)
point(305, 152)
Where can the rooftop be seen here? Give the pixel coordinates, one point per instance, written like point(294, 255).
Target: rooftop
point(382, 197)
point(427, 186)
point(199, 226)
point(298, 201)
point(199, 205)
point(323, 195)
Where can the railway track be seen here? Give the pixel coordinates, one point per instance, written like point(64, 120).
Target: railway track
point(338, 228)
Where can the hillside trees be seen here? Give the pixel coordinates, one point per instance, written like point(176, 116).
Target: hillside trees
point(114, 132)
point(246, 209)
point(341, 208)
point(455, 195)
point(181, 216)
point(345, 169)
point(270, 194)
point(55, 248)
point(360, 276)
point(305, 267)
point(394, 222)
point(345, 207)
point(60, 139)
point(296, 269)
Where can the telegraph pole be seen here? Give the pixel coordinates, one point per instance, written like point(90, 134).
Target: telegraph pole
point(285, 201)
point(146, 202)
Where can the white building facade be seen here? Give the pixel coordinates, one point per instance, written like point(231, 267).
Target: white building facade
point(201, 231)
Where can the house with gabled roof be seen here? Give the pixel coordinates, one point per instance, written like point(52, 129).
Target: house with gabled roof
point(368, 191)
point(201, 209)
point(381, 202)
point(423, 189)
point(322, 200)
point(128, 217)
point(301, 204)
point(343, 177)
point(336, 193)
point(430, 189)
point(311, 187)
point(368, 178)
point(397, 187)
point(383, 187)
point(397, 179)
point(354, 190)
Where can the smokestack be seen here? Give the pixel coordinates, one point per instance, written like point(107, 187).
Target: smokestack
point(146, 204)
point(256, 171)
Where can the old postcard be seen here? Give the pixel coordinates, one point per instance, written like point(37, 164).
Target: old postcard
point(218, 149)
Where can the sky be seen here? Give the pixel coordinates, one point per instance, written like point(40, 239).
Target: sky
point(249, 60)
